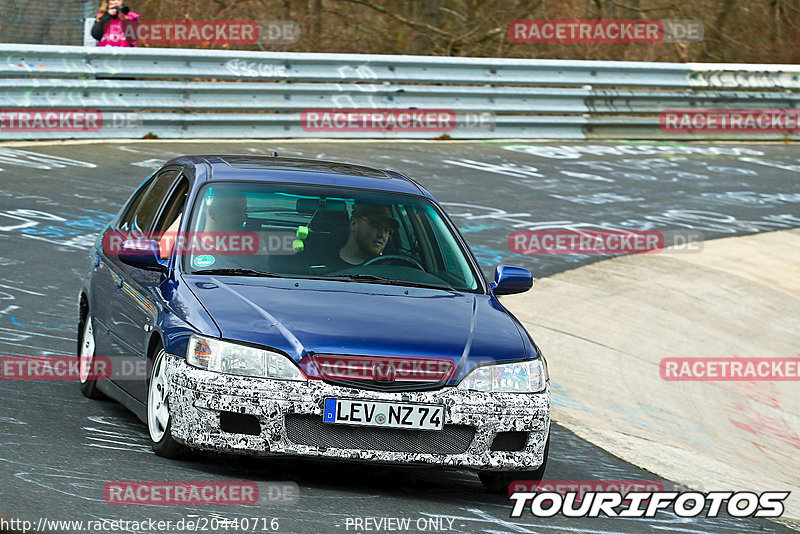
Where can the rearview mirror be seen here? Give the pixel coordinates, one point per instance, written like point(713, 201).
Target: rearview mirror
point(509, 280)
point(142, 254)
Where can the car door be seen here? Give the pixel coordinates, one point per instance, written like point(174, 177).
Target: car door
point(135, 308)
point(106, 277)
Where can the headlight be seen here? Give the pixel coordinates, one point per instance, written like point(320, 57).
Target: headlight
point(223, 357)
point(521, 377)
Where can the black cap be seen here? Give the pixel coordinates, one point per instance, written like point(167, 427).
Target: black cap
point(376, 212)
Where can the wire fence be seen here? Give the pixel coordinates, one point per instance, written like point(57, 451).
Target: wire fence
point(44, 21)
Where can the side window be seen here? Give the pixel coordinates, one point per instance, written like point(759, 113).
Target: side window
point(152, 200)
point(403, 233)
point(127, 217)
point(174, 207)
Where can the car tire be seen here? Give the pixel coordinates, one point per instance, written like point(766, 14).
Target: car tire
point(498, 481)
point(159, 422)
point(86, 362)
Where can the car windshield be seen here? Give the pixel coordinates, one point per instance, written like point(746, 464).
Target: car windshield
point(258, 229)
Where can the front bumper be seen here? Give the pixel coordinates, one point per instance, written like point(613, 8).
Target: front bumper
point(290, 419)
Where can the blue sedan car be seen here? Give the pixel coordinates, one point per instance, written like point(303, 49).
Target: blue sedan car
point(277, 306)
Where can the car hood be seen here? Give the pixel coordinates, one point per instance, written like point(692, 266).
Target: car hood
point(304, 317)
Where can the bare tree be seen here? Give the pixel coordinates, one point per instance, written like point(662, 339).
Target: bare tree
point(715, 42)
point(755, 31)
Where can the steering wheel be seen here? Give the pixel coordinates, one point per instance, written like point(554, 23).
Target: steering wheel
point(399, 257)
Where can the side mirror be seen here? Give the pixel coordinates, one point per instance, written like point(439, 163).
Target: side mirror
point(143, 254)
point(509, 280)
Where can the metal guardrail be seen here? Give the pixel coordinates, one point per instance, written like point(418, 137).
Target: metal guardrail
point(218, 93)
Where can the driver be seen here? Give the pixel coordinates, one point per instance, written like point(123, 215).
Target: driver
point(227, 212)
point(371, 225)
point(225, 219)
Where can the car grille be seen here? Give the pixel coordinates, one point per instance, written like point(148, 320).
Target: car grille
point(310, 430)
point(382, 373)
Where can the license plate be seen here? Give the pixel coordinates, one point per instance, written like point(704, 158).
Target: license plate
point(383, 414)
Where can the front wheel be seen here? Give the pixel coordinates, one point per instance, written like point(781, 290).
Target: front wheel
point(158, 418)
point(498, 481)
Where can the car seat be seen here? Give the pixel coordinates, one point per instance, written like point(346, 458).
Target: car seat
point(328, 232)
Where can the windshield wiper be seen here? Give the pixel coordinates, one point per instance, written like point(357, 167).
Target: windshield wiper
point(359, 277)
point(430, 286)
point(355, 277)
point(390, 281)
point(240, 272)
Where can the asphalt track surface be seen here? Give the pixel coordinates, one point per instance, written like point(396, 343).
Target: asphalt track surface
point(58, 449)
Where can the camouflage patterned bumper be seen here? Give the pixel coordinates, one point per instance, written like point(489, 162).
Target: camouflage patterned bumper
point(289, 416)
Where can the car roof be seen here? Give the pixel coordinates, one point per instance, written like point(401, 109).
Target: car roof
point(262, 168)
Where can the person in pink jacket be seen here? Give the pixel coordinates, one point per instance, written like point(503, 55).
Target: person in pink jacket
point(115, 24)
